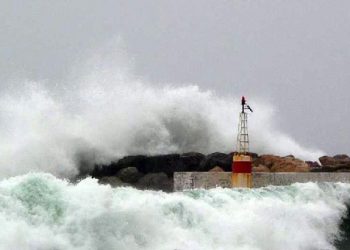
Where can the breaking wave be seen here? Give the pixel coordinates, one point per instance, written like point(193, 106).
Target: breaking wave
point(39, 211)
point(102, 112)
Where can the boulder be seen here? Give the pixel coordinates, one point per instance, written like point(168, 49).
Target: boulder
point(261, 169)
point(136, 161)
point(221, 160)
point(327, 161)
point(105, 170)
point(289, 166)
point(342, 158)
point(191, 161)
point(216, 169)
point(313, 164)
point(115, 166)
point(129, 175)
point(163, 163)
point(155, 181)
point(113, 181)
point(282, 164)
point(266, 160)
point(341, 167)
point(338, 162)
point(168, 164)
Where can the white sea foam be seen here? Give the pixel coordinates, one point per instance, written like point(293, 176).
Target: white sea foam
point(102, 113)
point(38, 211)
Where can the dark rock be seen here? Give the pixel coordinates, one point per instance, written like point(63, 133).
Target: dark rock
point(168, 164)
point(337, 162)
point(341, 166)
point(129, 175)
point(335, 168)
point(155, 181)
point(136, 161)
point(163, 163)
point(191, 161)
point(323, 169)
point(341, 157)
point(327, 161)
point(152, 164)
point(221, 160)
point(105, 170)
point(113, 181)
point(113, 168)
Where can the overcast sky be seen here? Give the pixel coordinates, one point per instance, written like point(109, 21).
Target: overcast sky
point(293, 54)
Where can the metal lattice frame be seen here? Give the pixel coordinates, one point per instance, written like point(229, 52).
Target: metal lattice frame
point(242, 136)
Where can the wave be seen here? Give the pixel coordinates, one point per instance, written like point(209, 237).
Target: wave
point(39, 211)
point(102, 113)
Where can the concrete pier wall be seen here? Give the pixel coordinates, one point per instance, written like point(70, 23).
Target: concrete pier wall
point(191, 180)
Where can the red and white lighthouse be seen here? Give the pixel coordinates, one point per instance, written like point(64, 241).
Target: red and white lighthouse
point(242, 161)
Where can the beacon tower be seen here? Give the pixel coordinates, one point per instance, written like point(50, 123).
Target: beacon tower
point(242, 161)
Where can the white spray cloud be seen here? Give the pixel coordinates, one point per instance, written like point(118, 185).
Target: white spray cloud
point(103, 113)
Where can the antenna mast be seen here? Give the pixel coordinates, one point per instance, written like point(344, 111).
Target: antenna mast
point(243, 136)
point(242, 161)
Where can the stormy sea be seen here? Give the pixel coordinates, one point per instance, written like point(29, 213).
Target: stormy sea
point(51, 133)
point(40, 211)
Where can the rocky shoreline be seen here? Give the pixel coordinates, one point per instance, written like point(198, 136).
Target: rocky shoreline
point(156, 172)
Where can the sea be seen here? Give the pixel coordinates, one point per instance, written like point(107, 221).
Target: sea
point(39, 211)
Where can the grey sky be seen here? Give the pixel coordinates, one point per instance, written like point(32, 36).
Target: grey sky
point(294, 54)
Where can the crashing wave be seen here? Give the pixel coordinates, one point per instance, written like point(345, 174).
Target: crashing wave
point(39, 211)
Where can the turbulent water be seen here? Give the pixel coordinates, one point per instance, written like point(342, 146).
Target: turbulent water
point(39, 211)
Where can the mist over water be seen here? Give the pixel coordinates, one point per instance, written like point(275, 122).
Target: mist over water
point(39, 211)
point(102, 112)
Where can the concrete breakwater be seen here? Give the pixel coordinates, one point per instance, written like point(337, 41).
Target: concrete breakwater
point(191, 180)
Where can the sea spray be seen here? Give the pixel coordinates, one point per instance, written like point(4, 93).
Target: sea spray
point(101, 117)
point(100, 112)
point(39, 211)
